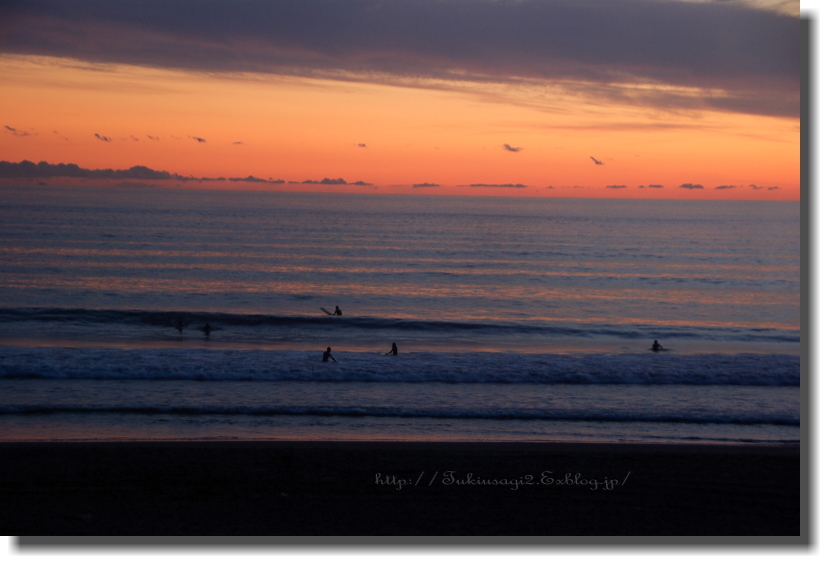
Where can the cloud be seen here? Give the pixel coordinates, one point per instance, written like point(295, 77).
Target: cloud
point(424, 185)
point(722, 187)
point(361, 145)
point(616, 186)
point(597, 161)
point(718, 55)
point(30, 170)
point(198, 139)
point(691, 186)
point(655, 186)
point(103, 138)
point(252, 179)
point(338, 181)
point(326, 181)
point(16, 132)
point(238, 143)
point(509, 147)
point(154, 138)
point(504, 186)
point(772, 188)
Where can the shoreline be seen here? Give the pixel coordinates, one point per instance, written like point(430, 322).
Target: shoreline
point(412, 488)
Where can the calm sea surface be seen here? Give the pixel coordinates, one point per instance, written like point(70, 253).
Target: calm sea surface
point(515, 319)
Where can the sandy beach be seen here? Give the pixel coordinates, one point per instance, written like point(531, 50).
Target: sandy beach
point(389, 489)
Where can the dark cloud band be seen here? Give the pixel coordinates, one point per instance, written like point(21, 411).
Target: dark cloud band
point(748, 58)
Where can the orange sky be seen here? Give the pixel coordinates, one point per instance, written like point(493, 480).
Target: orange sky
point(446, 133)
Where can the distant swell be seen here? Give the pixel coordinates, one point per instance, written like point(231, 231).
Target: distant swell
point(475, 367)
point(265, 325)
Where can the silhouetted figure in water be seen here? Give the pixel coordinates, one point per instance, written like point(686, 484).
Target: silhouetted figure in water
point(180, 326)
point(337, 311)
point(206, 329)
point(656, 347)
point(327, 355)
point(393, 351)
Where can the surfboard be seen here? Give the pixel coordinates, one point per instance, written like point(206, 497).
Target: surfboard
point(327, 312)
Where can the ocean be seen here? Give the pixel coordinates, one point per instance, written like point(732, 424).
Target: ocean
point(515, 319)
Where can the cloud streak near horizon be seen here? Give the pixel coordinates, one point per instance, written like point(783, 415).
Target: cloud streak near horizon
point(43, 170)
point(660, 53)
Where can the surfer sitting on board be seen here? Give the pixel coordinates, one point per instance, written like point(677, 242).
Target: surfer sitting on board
point(393, 351)
point(656, 347)
point(337, 311)
point(327, 355)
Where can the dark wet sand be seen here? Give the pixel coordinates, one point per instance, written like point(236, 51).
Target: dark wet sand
point(348, 488)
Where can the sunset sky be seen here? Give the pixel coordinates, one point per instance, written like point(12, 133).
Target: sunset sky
point(596, 98)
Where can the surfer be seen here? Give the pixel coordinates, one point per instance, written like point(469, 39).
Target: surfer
point(206, 329)
point(337, 311)
point(656, 347)
point(327, 355)
point(393, 351)
point(180, 326)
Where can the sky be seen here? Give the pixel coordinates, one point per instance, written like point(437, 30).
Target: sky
point(573, 98)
